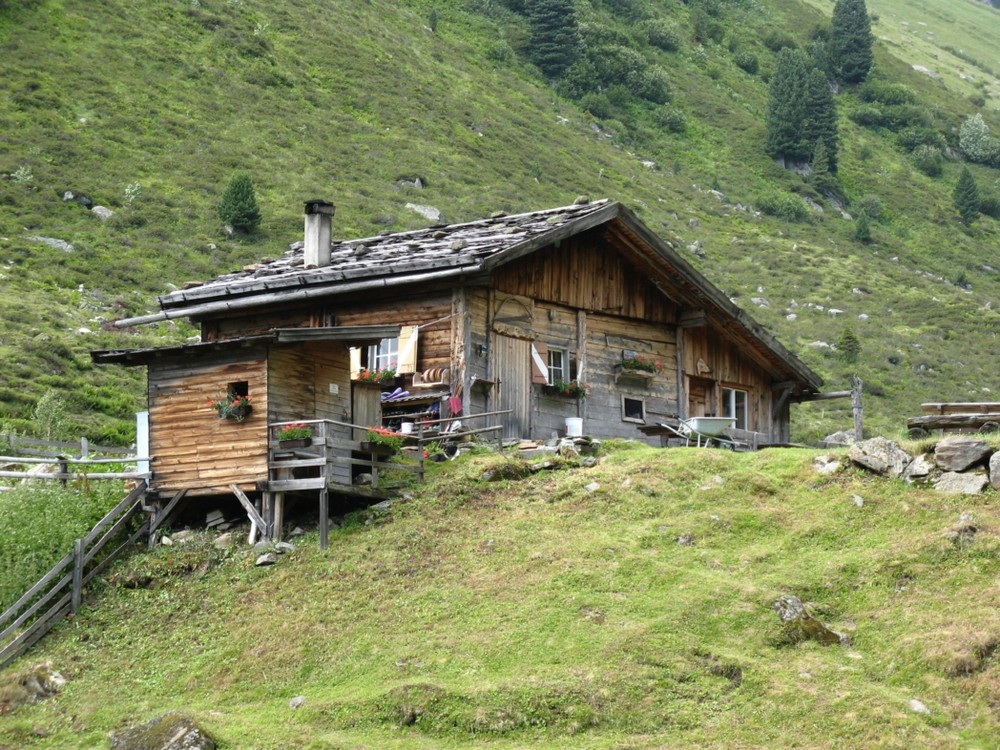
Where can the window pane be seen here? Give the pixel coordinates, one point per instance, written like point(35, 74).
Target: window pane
point(557, 368)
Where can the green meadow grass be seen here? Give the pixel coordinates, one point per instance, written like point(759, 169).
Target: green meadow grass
point(538, 613)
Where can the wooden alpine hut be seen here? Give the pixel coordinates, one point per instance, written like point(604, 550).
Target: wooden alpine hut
point(577, 313)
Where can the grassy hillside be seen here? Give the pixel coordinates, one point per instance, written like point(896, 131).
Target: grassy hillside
point(560, 611)
point(149, 109)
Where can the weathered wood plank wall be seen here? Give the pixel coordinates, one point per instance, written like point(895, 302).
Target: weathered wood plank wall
point(729, 367)
point(190, 445)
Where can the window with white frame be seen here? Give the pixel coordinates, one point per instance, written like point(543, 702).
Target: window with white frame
point(633, 409)
point(736, 403)
point(557, 363)
point(384, 355)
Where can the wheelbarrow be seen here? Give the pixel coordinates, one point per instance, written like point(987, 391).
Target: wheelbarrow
point(704, 431)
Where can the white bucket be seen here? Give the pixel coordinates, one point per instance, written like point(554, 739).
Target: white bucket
point(574, 427)
point(406, 428)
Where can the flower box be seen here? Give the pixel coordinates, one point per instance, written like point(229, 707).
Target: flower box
point(379, 450)
point(287, 445)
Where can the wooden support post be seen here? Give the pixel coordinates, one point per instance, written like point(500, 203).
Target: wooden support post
point(63, 470)
point(255, 516)
point(324, 518)
point(160, 516)
point(279, 516)
point(856, 385)
point(420, 451)
point(77, 575)
point(84, 447)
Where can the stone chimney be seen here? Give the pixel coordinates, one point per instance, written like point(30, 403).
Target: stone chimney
point(317, 233)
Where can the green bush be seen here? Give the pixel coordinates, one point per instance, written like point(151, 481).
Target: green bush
point(597, 104)
point(747, 61)
point(871, 205)
point(886, 93)
point(652, 84)
point(670, 118)
point(663, 34)
point(989, 205)
point(783, 206)
point(776, 39)
point(911, 138)
point(929, 160)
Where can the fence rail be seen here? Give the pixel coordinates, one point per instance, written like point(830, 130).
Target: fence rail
point(19, 444)
point(59, 592)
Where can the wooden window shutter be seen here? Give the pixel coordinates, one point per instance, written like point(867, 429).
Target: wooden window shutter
point(355, 362)
point(407, 349)
point(539, 363)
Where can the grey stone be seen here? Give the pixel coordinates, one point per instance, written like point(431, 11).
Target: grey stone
point(920, 467)
point(297, 701)
point(686, 540)
point(183, 537)
point(283, 547)
point(262, 546)
point(268, 558)
point(172, 731)
point(592, 487)
point(880, 456)
point(837, 439)
point(297, 531)
point(166, 541)
point(225, 540)
point(826, 465)
point(363, 478)
point(428, 212)
point(958, 453)
point(800, 624)
point(919, 708)
point(962, 483)
point(29, 685)
point(102, 212)
point(858, 500)
point(382, 507)
point(995, 471)
point(51, 242)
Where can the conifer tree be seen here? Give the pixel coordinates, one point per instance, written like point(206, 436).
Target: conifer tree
point(555, 36)
point(966, 197)
point(238, 205)
point(850, 46)
point(849, 345)
point(862, 228)
point(786, 107)
point(821, 118)
point(821, 178)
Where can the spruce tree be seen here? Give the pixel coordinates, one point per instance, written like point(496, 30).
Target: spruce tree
point(786, 108)
point(821, 118)
point(849, 345)
point(850, 47)
point(238, 205)
point(555, 36)
point(966, 197)
point(821, 178)
point(862, 228)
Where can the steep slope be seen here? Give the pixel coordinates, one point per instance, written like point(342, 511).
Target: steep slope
point(627, 605)
point(149, 109)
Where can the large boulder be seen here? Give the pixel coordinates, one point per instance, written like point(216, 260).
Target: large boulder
point(29, 686)
point(881, 456)
point(919, 469)
point(962, 483)
point(959, 453)
point(995, 471)
point(172, 731)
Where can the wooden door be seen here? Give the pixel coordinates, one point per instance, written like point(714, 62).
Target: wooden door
point(513, 376)
point(701, 400)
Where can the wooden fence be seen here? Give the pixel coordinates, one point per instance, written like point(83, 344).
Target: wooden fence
point(15, 444)
point(60, 591)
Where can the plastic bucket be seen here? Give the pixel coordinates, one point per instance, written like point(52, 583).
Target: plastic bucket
point(574, 427)
point(406, 428)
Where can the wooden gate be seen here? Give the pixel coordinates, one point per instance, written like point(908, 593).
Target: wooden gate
point(513, 374)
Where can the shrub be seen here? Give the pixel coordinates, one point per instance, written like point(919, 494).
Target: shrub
point(670, 118)
point(989, 205)
point(886, 93)
point(871, 205)
point(776, 39)
point(500, 51)
point(706, 28)
point(238, 205)
point(652, 84)
point(663, 34)
point(747, 61)
point(911, 138)
point(862, 228)
point(783, 206)
point(597, 104)
point(929, 160)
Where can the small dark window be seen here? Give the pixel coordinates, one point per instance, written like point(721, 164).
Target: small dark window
point(633, 409)
point(239, 388)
